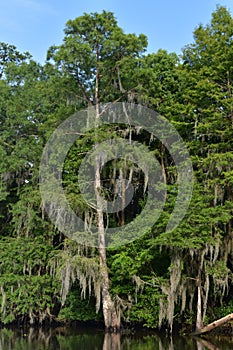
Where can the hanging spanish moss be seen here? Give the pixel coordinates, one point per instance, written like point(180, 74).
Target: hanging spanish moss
point(81, 268)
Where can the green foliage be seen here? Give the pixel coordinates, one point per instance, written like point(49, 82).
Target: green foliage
point(27, 286)
point(146, 309)
point(96, 47)
point(99, 62)
point(223, 310)
point(78, 309)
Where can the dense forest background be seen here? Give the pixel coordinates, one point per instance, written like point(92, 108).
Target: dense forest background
point(183, 277)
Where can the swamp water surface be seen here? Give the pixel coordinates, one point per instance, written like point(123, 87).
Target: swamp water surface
point(92, 339)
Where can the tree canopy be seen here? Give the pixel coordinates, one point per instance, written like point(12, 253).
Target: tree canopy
point(163, 277)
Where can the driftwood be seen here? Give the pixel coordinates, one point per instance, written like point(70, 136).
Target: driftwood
point(214, 325)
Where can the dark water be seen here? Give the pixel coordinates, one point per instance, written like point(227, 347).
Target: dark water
point(67, 339)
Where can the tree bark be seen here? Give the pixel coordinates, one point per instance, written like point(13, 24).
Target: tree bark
point(111, 319)
point(199, 322)
point(214, 325)
point(123, 189)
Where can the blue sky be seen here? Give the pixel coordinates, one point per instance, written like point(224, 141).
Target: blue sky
point(35, 25)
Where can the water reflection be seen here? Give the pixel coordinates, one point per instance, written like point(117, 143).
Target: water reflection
point(203, 344)
point(89, 339)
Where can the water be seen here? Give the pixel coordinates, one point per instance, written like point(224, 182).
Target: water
point(67, 339)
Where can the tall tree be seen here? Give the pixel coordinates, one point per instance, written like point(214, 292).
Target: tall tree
point(29, 96)
point(93, 53)
point(204, 118)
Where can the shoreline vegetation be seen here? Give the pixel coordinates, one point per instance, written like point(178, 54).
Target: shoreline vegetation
point(174, 281)
point(225, 328)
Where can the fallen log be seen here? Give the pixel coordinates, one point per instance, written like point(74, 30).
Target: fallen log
point(214, 325)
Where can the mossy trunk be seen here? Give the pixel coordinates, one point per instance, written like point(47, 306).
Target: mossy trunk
point(199, 322)
point(111, 319)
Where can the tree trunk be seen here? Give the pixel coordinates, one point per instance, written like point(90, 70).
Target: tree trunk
point(214, 325)
point(111, 319)
point(123, 189)
point(199, 322)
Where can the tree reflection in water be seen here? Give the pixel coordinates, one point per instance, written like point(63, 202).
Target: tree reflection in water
point(88, 339)
point(204, 344)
